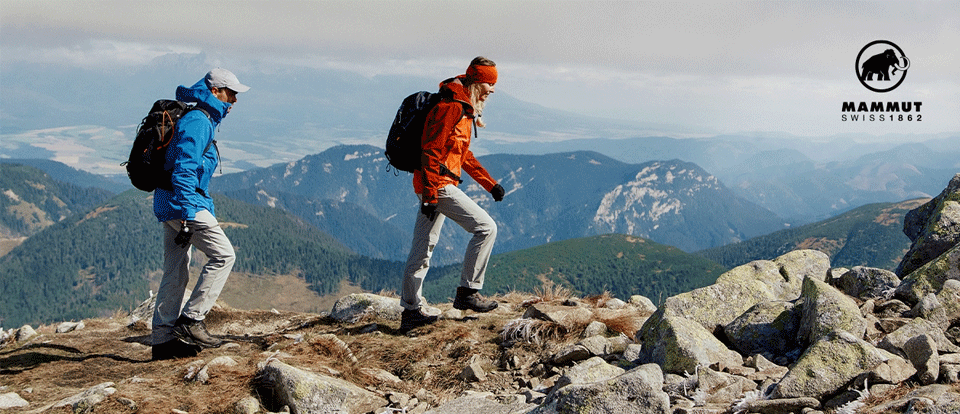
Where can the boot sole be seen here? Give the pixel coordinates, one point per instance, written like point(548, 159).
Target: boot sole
point(480, 310)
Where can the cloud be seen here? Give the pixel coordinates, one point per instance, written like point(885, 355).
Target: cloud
point(681, 61)
point(674, 36)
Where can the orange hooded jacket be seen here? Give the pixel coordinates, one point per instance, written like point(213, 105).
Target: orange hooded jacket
point(446, 144)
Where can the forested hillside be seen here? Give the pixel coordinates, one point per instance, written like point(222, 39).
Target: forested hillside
point(67, 174)
point(100, 261)
point(31, 200)
point(619, 264)
point(871, 235)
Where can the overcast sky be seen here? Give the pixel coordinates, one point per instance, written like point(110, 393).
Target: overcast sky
point(720, 66)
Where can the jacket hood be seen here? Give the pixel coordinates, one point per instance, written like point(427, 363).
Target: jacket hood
point(200, 94)
point(453, 89)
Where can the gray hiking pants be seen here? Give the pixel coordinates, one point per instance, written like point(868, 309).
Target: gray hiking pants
point(455, 204)
point(208, 238)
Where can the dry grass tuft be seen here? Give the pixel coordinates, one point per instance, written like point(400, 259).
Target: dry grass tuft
point(625, 324)
point(551, 292)
point(533, 331)
point(517, 297)
point(388, 293)
point(598, 301)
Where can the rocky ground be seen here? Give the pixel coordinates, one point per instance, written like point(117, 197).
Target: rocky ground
point(49, 370)
point(507, 361)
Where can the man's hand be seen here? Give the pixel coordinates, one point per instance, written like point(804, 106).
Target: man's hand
point(429, 210)
point(183, 237)
point(497, 192)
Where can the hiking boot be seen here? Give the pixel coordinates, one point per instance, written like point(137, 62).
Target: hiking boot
point(173, 349)
point(194, 332)
point(470, 299)
point(410, 319)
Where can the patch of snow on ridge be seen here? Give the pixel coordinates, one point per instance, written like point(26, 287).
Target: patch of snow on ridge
point(13, 196)
point(271, 201)
point(635, 205)
point(289, 170)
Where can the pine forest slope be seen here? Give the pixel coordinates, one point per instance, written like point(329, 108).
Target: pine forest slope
point(871, 235)
point(31, 200)
point(94, 263)
point(621, 265)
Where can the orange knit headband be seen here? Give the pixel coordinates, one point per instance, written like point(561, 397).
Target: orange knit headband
point(482, 74)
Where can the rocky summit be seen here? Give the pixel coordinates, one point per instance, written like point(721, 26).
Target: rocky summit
point(791, 334)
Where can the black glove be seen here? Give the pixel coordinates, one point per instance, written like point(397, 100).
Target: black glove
point(429, 210)
point(497, 192)
point(183, 237)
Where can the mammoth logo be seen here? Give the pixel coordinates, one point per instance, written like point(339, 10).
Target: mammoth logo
point(878, 71)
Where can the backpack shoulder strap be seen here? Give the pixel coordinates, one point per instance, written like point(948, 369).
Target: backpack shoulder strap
point(198, 108)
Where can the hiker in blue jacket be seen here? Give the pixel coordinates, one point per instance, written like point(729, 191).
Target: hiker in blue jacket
point(187, 214)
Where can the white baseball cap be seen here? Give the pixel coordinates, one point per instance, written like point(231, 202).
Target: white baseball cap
point(222, 78)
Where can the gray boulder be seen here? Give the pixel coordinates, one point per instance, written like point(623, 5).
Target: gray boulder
point(933, 228)
point(739, 289)
point(868, 283)
point(594, 328)
point(592, 370)
point(680, 345)
point(25, 332)
point(722, 388)
point(767, 328)
point(308, 392)
point(828, 365)
point(638, 391)
point(597, 345)
point(892, 371)
point(221, 361)
point(481, 403)
point(644, 304)
point(65, 327)
point(895, 340)
point(930, 277)
point(826, 309)
point(352, 308)
point(12, 400)
point(779, 406)
point(942, 398)
point(930, 308)
point(949, 298)
point(921, 350)
point(86, 400)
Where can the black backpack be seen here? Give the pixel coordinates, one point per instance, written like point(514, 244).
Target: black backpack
point(403, 141)
point(145, 164)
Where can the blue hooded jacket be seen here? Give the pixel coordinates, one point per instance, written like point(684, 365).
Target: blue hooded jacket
point(191, 166)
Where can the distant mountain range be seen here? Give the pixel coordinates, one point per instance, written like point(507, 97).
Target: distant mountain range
point(549, 198)
point(800, 179)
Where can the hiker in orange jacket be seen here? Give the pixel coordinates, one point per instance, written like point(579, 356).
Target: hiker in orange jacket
point(446, 155)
